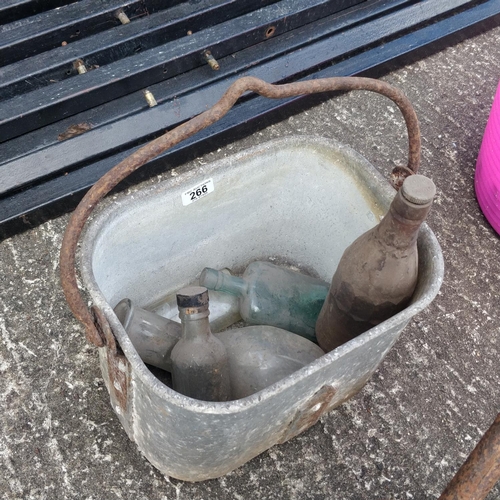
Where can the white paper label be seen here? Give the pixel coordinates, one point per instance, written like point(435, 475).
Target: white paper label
point(197, 192)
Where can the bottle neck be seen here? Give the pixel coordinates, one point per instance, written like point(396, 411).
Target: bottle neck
point(194, 323)
point(400, 226)
point(219, 281)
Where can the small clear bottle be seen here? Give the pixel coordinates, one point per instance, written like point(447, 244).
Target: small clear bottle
point(224, 308)
point(273, 295)
point(200, 364)
point(153, 336)
point(258, 355)
point(377, 274)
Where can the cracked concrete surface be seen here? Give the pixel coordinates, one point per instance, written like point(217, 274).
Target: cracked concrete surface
point(402, 437)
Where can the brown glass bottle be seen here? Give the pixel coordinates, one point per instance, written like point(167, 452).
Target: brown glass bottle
point(200, 364)
point(378, 272)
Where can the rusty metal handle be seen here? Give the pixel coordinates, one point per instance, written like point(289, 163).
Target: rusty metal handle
point(154, 148)
point(480, 472)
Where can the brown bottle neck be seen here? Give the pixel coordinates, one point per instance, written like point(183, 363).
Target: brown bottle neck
point(399, 228)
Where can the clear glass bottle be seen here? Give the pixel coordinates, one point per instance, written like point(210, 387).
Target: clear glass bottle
point(200, 364)
point(261, 355)
point(378, 272)
point(258, 355)
point(224, 308)
point(153, 336)
point(273, 295)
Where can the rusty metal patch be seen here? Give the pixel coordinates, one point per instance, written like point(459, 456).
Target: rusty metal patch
point(74, 130)
point(309, 414)
point(118, 365)
point(480, 472)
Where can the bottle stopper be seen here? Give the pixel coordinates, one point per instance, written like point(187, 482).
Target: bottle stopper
point(192, 297)
point(418, 189)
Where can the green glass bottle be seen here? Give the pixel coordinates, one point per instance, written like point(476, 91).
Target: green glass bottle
point(273, 295)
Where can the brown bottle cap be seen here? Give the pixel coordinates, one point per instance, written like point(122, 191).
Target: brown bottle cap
point(418, 189)
point(192, 296)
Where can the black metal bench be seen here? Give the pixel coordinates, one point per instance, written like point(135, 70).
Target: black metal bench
point(73, 77)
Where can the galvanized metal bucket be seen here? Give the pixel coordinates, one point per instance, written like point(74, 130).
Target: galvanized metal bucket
point(299, 200)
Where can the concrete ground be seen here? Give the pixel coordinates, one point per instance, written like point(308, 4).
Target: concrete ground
point(402, 437)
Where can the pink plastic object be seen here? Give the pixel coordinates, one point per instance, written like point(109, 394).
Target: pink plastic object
point(487, 180)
